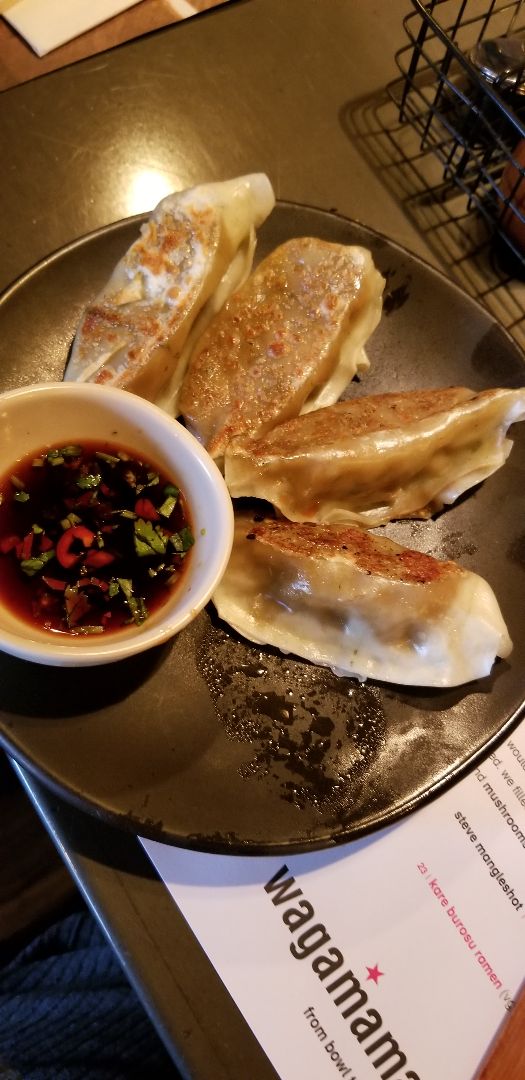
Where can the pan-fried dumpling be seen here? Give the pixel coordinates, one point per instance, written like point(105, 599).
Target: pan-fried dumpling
point(360, 604)
point(193, 251)
point(370, 460)
point(288, 341)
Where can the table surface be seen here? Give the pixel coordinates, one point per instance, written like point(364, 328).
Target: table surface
point(256, 85)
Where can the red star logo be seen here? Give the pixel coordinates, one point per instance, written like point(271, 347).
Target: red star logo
point(374, 974)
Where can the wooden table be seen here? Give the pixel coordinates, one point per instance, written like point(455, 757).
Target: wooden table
point(254, 85)
point(18, 62)
point(506, 1059)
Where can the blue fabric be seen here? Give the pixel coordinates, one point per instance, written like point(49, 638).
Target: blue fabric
point(67, 1012)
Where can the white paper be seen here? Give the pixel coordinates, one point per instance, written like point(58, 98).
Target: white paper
point(46, 24)
point(428, 916)
point(182, 8)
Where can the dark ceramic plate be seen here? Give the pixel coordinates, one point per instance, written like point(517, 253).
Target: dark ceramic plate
point(212, 743)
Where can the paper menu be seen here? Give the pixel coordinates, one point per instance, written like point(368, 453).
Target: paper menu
point(396, 956)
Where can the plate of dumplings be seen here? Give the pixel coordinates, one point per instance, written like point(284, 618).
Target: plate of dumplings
point(363, 649)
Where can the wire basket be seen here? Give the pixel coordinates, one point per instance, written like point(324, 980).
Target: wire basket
point(470, 117)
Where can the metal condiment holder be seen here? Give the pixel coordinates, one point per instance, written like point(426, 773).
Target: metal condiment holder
point(467, 107)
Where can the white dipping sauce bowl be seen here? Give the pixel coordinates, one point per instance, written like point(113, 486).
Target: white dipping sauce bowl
point(54, 414)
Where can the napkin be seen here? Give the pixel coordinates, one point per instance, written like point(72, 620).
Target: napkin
point(46, 24)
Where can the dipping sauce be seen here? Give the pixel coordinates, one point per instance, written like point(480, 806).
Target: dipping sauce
point(91, 538)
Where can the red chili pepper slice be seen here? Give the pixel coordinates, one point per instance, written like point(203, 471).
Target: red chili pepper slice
point(27, 545)
point(99, 558)
point(54, 583)
point(45, 543)
point(144, 508)
point(8, 543)
point(65, 555)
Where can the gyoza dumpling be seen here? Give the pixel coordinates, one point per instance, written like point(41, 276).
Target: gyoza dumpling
point(370, 460)
point(288, 341)
point(360, 604)
point(193, 251)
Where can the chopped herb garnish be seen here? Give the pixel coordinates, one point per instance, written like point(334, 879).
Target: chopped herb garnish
point(34, 565)
point(71, 519)
point(97, 538)
point(136, 604)
point(111, 459)
point(31, 566)
point(142, 610)
point(87, 483)
point(168, 506)
point(55, 457)
point(71, 451)
point(183, 540)
point(126, 585)
point(148, 539)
